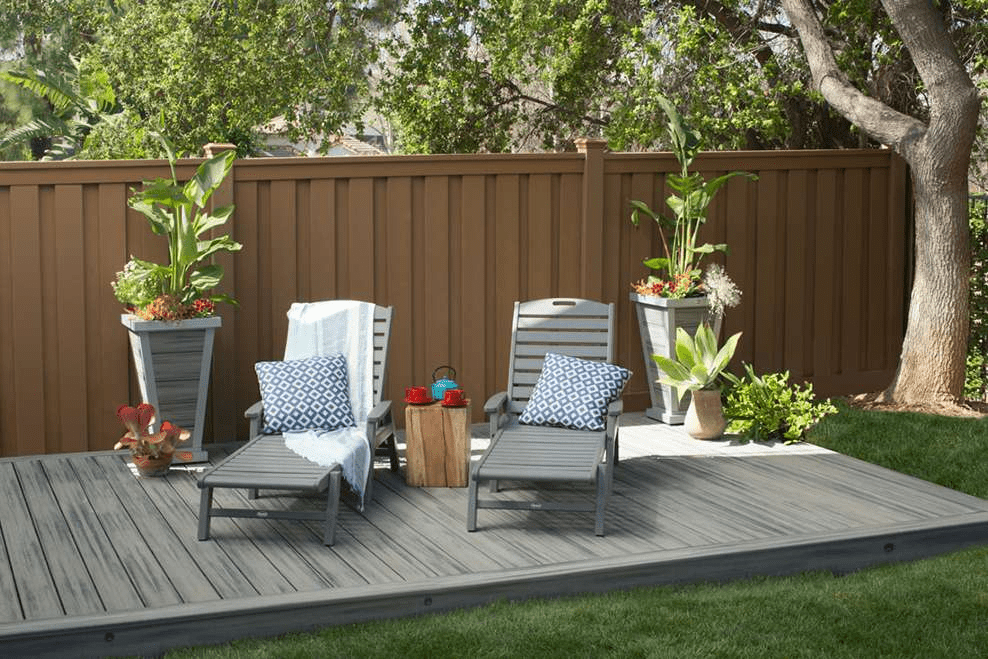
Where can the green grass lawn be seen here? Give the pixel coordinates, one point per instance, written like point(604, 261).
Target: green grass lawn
point(931, 608)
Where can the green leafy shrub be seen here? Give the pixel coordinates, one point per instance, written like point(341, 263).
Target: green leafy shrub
point(975, 384)
point(768, 407)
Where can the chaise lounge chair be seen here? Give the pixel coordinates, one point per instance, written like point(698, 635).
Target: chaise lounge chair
point(265, 462)
point(557, 421)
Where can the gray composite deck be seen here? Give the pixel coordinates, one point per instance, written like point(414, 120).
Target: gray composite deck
point(95, 561)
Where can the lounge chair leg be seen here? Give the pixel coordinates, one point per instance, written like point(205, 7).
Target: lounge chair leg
point(393, 452)
point(252, 493)
point(205, 505)
point(603, 486)
point(494, 486)
point(472, 505)
point(332, 507)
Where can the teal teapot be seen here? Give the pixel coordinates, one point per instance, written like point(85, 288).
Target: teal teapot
point(439, 387)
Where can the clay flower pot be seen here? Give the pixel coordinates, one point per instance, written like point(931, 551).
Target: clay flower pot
point(148, 466)
point(705, 416)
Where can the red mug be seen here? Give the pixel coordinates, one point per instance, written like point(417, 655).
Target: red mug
point(416, 394)
point(454, 397)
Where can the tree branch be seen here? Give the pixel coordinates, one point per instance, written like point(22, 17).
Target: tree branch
point(874, 117)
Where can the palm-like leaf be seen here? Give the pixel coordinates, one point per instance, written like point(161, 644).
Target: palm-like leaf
point(698, 361)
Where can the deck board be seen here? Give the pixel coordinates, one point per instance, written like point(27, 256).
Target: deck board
point(95, 560)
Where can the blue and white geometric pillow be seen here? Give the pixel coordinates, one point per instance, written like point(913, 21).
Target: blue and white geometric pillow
point(574, 393)
point(305, 394)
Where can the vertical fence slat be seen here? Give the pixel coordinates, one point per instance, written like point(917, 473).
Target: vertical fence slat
point(246, 280)
point(769, 254)
point(69, 247)
point(360, 238)
point(108, 364)
point(474, 310)
point(28, 325)
point(400, 273)
point(741, 265)
point(826, 286)
point(853, 276)
point(876, 270)
point(797, 280)
point(507, 239)
point(540, 245)
point(8, 436)
point(282, 247)
point(435, 296)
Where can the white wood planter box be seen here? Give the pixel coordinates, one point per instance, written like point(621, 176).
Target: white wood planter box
point(173, 361)
point(658, 318)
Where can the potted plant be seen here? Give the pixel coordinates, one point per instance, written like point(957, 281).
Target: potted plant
point(697, 368)
point(676, 294)
point(151, 451)
point(170, 315)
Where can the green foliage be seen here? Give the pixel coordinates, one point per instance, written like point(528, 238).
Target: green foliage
point(79, 100)
point(178, 212)
point(692, 196)
point(768, 407)
point(699, 363)
point(139, 283)
point(976, 380)
point(216, 71)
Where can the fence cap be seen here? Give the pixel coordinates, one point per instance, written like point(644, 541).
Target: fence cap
point(215, 148)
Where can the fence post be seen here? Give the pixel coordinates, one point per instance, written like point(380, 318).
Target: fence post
point(592, 283)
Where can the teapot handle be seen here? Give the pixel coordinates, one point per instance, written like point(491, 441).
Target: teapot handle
point(452, 372)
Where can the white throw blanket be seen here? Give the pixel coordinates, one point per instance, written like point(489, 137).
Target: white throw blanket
point(321, 329)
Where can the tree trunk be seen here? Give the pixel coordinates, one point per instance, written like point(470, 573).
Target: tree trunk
point(932, 363)
point(931, 366)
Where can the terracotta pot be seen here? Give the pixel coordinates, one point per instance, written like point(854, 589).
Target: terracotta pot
point(147, 466)
point(705, 416)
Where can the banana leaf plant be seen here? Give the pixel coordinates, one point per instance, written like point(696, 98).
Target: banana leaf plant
point(689, 204)
point(179, 212)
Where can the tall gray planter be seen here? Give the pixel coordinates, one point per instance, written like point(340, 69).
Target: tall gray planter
point(658, 318)
point(173, 361)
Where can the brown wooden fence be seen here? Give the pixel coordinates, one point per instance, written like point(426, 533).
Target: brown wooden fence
point(818, 246)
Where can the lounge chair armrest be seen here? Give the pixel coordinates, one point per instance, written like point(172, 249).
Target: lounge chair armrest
point(615, 408)
point(380, 413)
point(496, 404)
point(254, 411)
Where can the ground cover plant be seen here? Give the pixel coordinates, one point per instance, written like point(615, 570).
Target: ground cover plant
point(931, 608)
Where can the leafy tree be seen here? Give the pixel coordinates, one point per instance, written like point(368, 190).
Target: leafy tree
point(937, 145)
point(78, 102)
point(503, 75)
point(41, 35)
point(215, 70)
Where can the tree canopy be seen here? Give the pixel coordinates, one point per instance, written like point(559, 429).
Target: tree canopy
point(505, 75)
point(465, 76)
point(211, 70)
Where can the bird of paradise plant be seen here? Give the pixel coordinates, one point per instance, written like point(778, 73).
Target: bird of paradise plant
point(693, 193)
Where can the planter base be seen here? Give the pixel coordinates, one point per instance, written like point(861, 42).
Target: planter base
point(672, 417)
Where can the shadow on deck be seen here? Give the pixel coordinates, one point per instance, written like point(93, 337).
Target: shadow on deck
point(95, 561)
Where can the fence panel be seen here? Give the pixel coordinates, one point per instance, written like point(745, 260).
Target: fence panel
point(818, 247)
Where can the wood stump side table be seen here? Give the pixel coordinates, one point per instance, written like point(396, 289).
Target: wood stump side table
point(437, 445)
